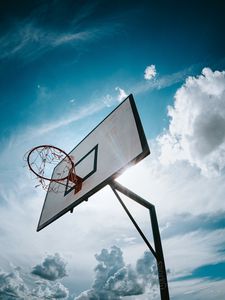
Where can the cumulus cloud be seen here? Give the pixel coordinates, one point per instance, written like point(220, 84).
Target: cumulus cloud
point(197, 124)
point(46, 290)
point(114, 279)
point(86, 295)
point(122, 94)
point(19, 285)
point(124, 282)
point(52, 268)
point(12, 285)
point(148, 274)
point(150, 72)
point(109, 263)
point(144, 265)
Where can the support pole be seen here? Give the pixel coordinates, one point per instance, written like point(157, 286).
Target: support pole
point(158, 252)
point(160, 257)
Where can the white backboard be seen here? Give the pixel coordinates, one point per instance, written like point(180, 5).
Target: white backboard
point(116, 143)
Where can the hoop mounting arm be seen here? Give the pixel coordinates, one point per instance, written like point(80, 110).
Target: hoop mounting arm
point(77, 180)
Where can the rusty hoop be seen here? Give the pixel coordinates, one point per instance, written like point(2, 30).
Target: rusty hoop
point(47, 155)
point(43, 177)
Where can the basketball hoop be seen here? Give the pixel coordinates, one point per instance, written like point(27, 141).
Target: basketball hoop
point(42, 160)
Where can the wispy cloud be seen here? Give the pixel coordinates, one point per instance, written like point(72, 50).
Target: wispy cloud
point(150, 84)
point(25, 40)
point(28, 38)
point(198, 248)
point(71, 37)
point(197, 289)
point(69, 118)
point(29, 41)
point(162, 81)
point(40, 129)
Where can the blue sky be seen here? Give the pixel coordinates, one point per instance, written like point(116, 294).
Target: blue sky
point(64, 66)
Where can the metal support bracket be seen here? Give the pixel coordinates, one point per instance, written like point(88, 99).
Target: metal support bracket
point(158, 252)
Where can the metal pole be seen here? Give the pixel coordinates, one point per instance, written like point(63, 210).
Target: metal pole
point(164, 291)
point(158, 252)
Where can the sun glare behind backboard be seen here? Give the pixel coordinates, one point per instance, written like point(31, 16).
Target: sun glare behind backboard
point(116, 143)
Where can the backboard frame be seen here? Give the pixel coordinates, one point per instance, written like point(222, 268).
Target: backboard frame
point(140, 156)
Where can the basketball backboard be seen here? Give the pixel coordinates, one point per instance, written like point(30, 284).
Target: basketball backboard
point(113, 145)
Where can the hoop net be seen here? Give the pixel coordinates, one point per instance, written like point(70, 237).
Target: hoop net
point(43, 160)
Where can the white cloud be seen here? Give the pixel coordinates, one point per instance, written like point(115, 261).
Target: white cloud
point(28, 40)
point(162, 82)
point(169, 187)
point(71, 37)
point(110, 100)
point(20, 285)
point(197, 289)
point(52, 268)
point(69, 118)
point(187, 252)
point(47, 290)
point(114, 279)
point(197, 124)
point(38, 130)
point(122, 94)
point(12, 285)
point(150, 72)
point(148, 86)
